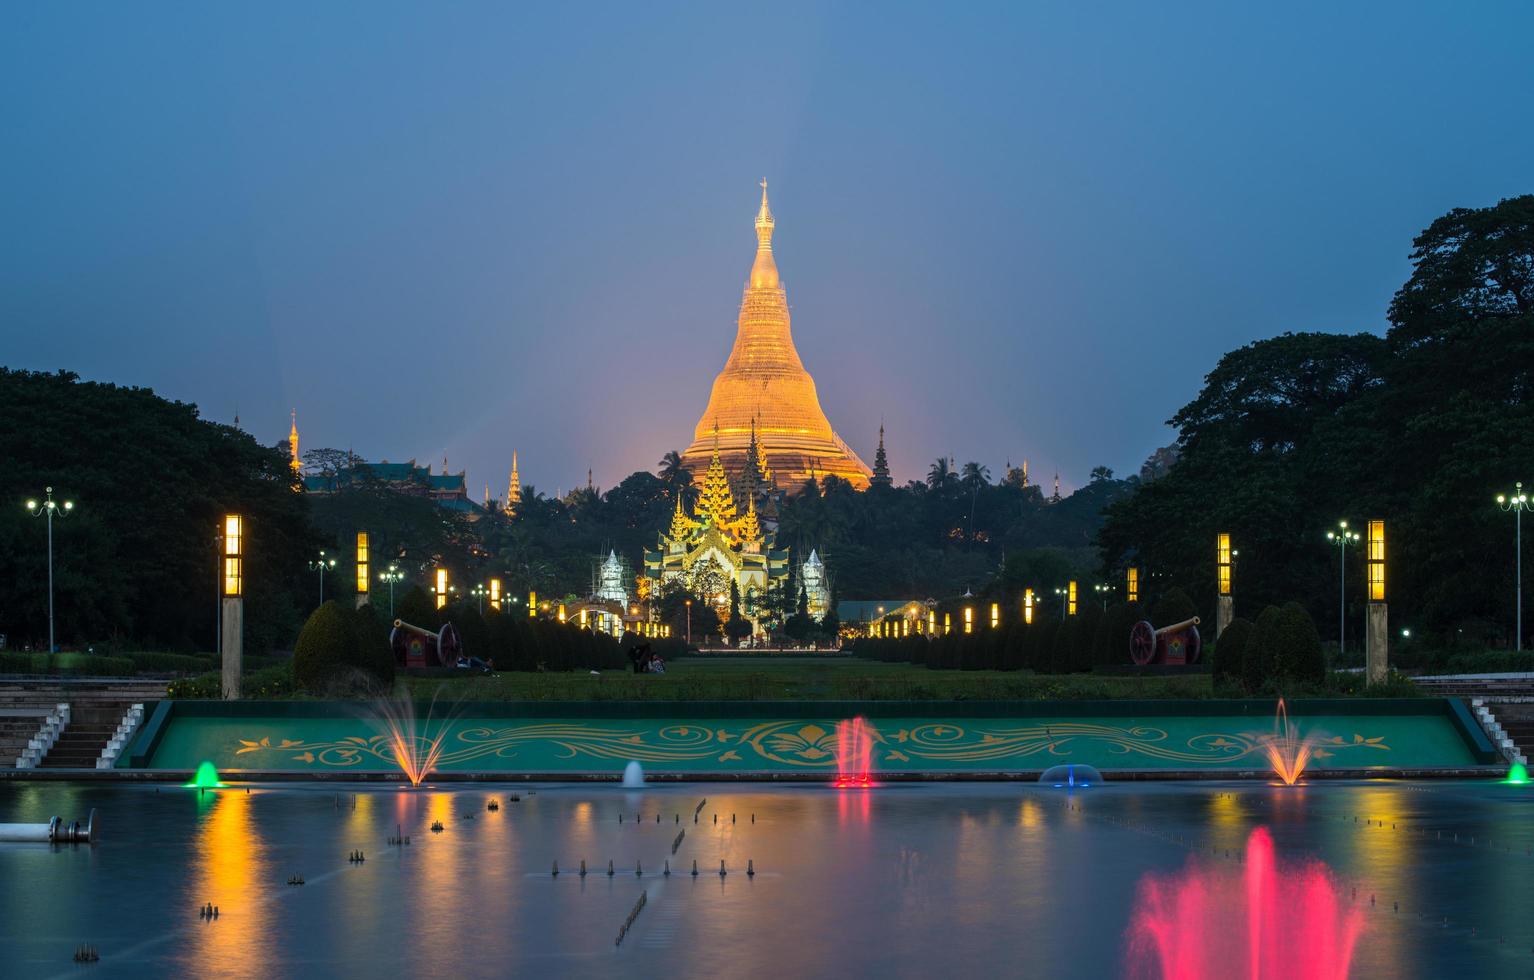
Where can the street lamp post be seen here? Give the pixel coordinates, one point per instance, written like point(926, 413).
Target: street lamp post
point(320, 564)
point(47, 509)
point(479, 592)
point(1517, 503)
point(392, 575)
point(689, 622)
point(1343, 537)
point(1103, 591)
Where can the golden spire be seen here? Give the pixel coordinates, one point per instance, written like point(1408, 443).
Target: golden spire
point(293, 444)
point(681, 524)
point(716, 504)
point(750, 529)
point(513, 487)
point(764, 271)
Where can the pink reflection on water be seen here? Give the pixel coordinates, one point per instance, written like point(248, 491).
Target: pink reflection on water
point(854, 754)
point(1260, 919)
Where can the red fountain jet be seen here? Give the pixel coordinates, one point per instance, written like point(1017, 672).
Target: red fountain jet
point(854, 754)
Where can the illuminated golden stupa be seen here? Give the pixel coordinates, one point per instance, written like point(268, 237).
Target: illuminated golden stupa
point(764, 386)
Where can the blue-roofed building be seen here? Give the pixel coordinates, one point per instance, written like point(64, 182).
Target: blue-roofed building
point(449, 490)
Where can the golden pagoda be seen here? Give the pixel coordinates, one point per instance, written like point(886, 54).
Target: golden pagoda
point(764, 392)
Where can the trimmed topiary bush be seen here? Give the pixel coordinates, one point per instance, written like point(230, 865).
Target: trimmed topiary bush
point(1228, 650)
point(341, 646)
point(1259, 653)
point(1174, 607)
point(1297, 652)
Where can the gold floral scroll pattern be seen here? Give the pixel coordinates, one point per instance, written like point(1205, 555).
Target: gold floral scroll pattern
point(801, 744)
point(673, 743)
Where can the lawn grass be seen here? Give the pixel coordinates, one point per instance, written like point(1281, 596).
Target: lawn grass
point(805, 679)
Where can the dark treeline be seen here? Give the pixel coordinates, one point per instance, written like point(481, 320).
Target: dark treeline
point(1421, 428)
point(136, 562)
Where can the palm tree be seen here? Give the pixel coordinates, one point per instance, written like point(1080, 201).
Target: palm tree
point(671, 468)
point(940, 475)
point(975, 475)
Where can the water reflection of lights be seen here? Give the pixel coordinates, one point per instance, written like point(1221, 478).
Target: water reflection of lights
point(1258, 919)
point(231, 872)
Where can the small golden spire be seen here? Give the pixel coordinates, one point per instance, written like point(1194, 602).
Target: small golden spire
point(293, 444)
point(764, 271)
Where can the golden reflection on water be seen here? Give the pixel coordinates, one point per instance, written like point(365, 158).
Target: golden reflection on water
point(231, 871)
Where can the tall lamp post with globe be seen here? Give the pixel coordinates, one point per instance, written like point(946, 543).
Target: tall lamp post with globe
point(47, 509)
point(1517, 503)
point(320, 564)
point(1342, 537)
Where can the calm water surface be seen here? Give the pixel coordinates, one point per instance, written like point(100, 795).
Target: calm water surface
point(972, 881)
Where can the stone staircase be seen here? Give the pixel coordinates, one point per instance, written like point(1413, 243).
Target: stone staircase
point(97, 718)
point(19, 727)
point(1515, 724)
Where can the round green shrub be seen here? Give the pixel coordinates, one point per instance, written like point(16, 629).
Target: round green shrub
point(1173, 608)
point(1228, 650)
point(1259, 654)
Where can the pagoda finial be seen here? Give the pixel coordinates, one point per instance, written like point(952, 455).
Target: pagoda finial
point(764, 271)
point(293, 443)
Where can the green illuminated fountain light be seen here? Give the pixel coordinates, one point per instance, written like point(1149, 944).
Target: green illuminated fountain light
point(1518, 775)
point(206, 778)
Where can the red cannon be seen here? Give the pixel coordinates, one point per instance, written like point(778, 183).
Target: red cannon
point(1176, 644)
point(417, 647)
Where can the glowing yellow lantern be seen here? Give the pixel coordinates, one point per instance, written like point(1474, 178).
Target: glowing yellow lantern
point(583, 619)
point(362, 563)
point(532, 605)
point(234, 556)
point(995, 615)
point(1375, 561)
point(1070, 599)
point(1132, 585)
point(1027, 607)
point(1222, 562)
point(932, 622)
point(947, 623)
point(441, 587)
point(561, 612)
point(969, 618)
point(495, 594)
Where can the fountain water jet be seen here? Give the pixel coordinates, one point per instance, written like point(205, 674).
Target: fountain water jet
point(633, 777)
point(1517, 775)
point(411, 743)
point(206, 777)
point(1287, 751)
point(1259, 920)
point(854, 754)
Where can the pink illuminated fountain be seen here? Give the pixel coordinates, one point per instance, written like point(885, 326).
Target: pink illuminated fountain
point(854, 754)
point(1259, 920)
point(1287, 751)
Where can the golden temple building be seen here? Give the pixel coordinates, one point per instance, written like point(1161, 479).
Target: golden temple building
point(764, 389)
point(716, 545)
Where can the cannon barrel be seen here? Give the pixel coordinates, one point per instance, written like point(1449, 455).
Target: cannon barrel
point(1179, 627)
point(400, 624)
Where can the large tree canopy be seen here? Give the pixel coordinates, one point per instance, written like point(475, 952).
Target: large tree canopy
point(137, 559)
point(1421, 429)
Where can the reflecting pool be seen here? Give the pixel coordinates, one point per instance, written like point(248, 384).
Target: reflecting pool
point(1386, 878)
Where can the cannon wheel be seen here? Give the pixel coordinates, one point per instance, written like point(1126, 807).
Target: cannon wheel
point(1142, 643)
point(1195, 645)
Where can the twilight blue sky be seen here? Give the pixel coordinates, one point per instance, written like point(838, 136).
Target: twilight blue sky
point(1013, 230)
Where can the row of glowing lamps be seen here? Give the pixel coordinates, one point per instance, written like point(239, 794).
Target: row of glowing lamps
point(234, 581)
point(1225, 564)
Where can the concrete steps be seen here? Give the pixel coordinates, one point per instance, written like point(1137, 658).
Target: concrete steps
point(97, 716)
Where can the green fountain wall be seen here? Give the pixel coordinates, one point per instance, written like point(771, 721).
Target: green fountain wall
point(782, 739)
